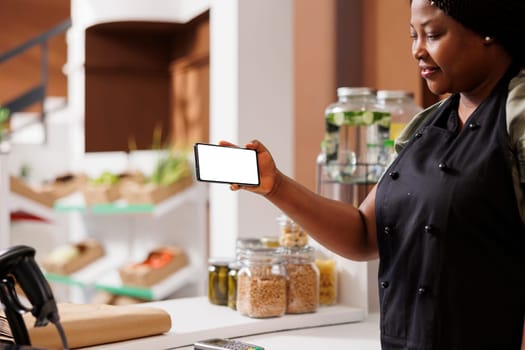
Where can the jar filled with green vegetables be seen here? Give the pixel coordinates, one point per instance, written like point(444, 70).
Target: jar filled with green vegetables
point(218, 280)
point(232, 284)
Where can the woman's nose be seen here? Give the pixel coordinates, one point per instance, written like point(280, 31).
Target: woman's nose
point(418, 50)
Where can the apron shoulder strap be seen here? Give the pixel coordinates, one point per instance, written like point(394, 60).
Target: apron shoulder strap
point(414, 124)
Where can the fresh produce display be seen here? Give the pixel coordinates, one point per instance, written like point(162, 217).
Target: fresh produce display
point(4, 121)
point(106, 178)
point(162, 262)
point(170, 169)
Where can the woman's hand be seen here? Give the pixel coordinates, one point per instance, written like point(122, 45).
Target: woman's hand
point(269, 176)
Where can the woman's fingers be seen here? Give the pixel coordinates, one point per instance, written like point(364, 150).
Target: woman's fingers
point(227, 143)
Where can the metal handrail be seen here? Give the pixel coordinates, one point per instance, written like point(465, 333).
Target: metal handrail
point(59, 29)
point(35, 94)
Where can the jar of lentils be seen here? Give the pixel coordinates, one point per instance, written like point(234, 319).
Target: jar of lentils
point(303, 280)
point(261, 283)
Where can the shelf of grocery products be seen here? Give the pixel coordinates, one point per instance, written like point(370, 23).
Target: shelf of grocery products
point(18, 202)
point(112, 283)
point(76, 203)
point(103, 275)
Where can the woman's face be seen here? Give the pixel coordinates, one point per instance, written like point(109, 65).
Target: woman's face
point(451, 57)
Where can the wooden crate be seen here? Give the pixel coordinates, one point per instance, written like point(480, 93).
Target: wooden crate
point(152, 194)
point(144, 274)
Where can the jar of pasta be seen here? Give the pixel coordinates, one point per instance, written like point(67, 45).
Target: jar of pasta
point(327, 281)
point(261, 283)
point(303, 280)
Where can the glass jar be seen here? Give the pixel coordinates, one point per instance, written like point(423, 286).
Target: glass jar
point(303, 280)
point(327, 281)
point(261, 283)
point(218, 280)
point(248, 243)
point(232, 284)
point(292, 235)
point(401, 106)
point(270, 241)
point(355, 128)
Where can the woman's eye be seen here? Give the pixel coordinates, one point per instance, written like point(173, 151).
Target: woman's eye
point(432, 36)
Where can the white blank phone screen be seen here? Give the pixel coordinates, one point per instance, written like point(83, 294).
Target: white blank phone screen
point(226, 164)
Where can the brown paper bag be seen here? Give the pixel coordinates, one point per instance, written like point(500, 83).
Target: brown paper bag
point(92, 324)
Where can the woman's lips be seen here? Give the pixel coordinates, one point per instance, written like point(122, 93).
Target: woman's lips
point(427, 72)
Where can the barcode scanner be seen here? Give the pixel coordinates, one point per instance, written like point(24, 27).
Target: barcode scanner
point(17, 265)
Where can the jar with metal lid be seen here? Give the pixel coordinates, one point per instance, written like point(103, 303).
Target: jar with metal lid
point(270, 241)
point(261, 283)
point(327, 280)
point(401, 106)
point(350, 125)
point(292, 235)
point(232, 284)
point(218, 280)
point(242, 243)
point(303, 280)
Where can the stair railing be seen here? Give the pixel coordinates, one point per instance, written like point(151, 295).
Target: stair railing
point(36, 94)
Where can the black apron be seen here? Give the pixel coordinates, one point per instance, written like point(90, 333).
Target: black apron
point(451, 240)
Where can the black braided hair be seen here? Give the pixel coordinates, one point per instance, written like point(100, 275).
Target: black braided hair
point(499, 19)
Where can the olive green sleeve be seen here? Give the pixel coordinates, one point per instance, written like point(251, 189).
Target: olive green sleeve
point(515, 109)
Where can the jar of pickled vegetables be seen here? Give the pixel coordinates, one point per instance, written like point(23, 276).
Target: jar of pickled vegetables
point(218, 280)
point(232, 284)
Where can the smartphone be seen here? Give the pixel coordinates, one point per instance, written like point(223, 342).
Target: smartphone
point(225, 164)
point(223, 344)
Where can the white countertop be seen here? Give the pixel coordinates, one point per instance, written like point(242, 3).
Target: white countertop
point(357, 335)
point(193, 319)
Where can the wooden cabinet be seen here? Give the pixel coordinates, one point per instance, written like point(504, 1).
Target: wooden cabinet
point(144, 80)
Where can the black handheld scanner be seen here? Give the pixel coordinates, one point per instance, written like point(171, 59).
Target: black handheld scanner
point(17, 265)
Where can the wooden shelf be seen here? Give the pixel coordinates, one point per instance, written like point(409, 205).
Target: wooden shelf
point(75, 203)
point(103, 275)
point(111, 283)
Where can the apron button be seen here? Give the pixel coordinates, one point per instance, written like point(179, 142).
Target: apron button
point(473, 126)
point(430, 229)
point(384, 284)
point(422, 291)
point(388, 230)
point(394, 175)
point(443, 166)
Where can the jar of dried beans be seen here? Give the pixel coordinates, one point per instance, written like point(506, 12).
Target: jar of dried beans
point(261, 283)
point(303, 280)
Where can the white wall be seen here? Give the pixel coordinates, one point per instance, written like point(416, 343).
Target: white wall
point(251, 98)
point(251, 58)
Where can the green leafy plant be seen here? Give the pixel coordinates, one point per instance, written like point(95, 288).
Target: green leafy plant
point(170, 169)
point(106, 178)
point(4, 121)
